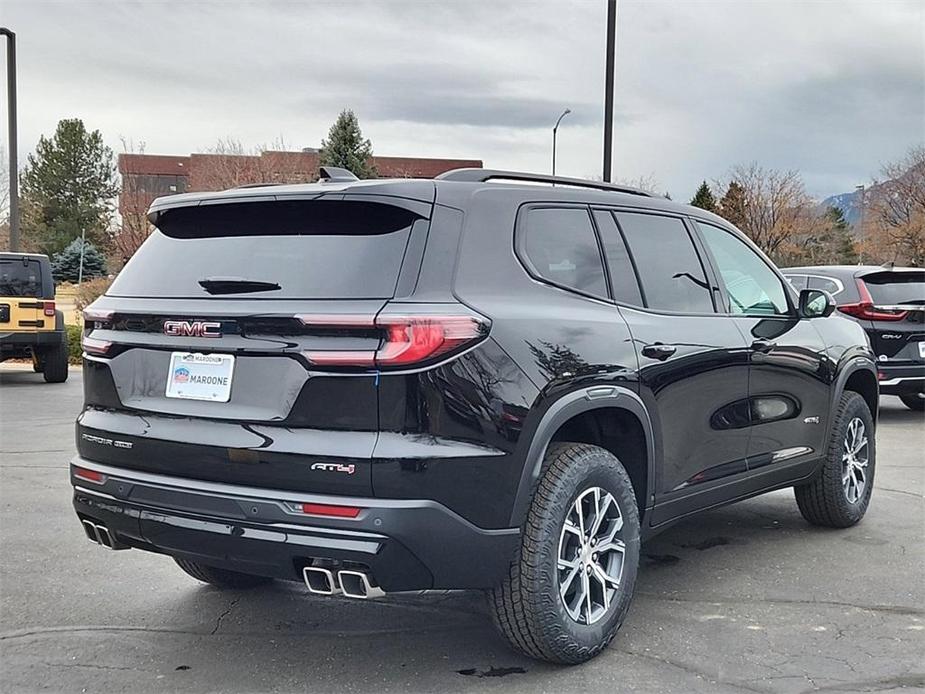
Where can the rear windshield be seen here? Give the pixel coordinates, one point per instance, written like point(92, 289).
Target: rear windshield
point(20, 277)
point(893, 288)
point(311, 249)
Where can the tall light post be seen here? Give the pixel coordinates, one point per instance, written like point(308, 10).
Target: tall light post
point(555, 129)
point(608, 86)
point(11, 124)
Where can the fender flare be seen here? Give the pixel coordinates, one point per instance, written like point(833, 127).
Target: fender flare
point(855, 364)
point(569, 405)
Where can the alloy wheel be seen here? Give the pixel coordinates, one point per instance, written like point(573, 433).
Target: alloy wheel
point(591, 555)
point(855, 458)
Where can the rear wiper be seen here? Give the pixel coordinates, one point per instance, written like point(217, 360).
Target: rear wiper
point(236, 285)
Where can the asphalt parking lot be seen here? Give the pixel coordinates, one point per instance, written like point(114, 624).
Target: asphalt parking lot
point(747, 598)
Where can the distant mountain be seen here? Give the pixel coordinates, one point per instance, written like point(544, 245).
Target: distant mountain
point(848, 203)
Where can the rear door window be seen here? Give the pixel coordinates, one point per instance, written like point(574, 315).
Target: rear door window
point(829, 284)
point(672, 276)
point(20, 277)
point(561, 247)
point(309, 249)
point(896, 288)
point(798, 282)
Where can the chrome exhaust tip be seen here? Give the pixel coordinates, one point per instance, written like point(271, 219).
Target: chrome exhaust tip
point(320, 581)
point(100, 534)
point(356, 584)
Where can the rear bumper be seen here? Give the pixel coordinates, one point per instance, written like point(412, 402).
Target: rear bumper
point(19, 340)
point(406, 544)
point(900, 380)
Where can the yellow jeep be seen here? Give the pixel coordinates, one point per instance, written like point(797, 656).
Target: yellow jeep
point(30, 325)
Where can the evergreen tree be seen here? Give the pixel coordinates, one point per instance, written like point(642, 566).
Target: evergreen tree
point(346, 148)
point(732, 205)
point(65, 266)
point(704, 199)
point(841, 245)
point(68, 187)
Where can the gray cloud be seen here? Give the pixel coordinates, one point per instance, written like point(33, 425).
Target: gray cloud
point(833, 90)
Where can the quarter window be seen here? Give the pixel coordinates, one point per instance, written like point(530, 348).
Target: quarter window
point(672, 276)
point(562, 247)
point(752, 287)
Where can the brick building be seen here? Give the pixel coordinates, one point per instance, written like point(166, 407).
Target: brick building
point(147, 176)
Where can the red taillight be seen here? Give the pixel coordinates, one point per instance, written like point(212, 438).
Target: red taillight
point(865, 309)
point(93, 346)
point(330, 510)
point(408, 339)
point(48, 308)
point(89, 475)
point(95, 315)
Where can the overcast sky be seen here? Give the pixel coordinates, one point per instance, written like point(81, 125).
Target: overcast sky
point(833, 89)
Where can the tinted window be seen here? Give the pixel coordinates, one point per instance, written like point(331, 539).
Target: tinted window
point(622, 275)
point(798, 282)
point(752, 287)
point(892, 288)
point(561, 246)
point(669, 268)
point(311, 249)
point(20, 278)
point(829, 284)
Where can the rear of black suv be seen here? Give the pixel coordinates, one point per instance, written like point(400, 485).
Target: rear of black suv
point(267, 377)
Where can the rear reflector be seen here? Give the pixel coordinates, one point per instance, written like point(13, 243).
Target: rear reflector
point(48, 308)
point(89, 475)
point(408, 339)
point(330, 510)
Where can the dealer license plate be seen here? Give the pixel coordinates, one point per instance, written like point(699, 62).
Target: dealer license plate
point(195, 376)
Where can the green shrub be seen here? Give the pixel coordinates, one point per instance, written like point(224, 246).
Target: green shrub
point(74, 350)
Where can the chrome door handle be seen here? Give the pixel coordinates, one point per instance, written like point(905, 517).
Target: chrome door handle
point(763, 345)
point(658, 351)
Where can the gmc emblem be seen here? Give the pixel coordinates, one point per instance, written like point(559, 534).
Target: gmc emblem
point(196, 328)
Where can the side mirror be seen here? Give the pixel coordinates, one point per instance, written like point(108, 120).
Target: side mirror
point(816, 303)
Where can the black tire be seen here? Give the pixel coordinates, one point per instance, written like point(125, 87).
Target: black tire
point(223, 578)
point(914, 401)
point(526, 607)
point(825, 501)
point(54, 363)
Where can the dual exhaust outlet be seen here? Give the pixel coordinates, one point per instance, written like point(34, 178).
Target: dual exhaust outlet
point(347, 582)
point(100, 535)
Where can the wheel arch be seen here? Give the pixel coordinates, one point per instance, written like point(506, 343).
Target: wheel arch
point(573, 414)
point(859, 376)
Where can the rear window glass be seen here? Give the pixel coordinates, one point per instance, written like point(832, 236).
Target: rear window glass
point(892, 288)
point(20, 278)
point(310, 249)
point(561, 245)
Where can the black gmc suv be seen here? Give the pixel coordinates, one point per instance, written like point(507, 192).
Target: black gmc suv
point(889, 303)
point(474, 382)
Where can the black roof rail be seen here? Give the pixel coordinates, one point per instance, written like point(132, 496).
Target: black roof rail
point(485, 175)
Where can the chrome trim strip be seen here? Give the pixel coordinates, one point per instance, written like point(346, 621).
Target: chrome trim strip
point(896, 381)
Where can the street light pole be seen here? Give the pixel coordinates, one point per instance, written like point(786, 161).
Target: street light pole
point(555, 128)
point(11, 123)
point(608, 87)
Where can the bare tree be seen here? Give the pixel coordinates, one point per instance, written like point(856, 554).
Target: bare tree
point(228, 165)
point(895, 210)
point(775, 209)
point(133, 227)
